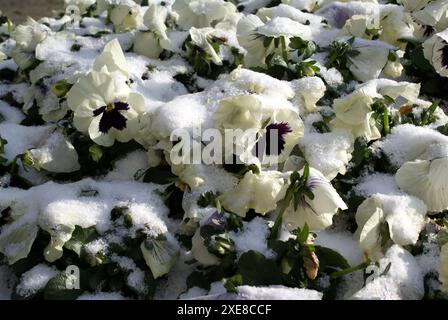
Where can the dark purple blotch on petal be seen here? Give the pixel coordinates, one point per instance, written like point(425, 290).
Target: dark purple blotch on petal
point(444, 55)
point(283, 129)
point(111, 117)
point(429, 30)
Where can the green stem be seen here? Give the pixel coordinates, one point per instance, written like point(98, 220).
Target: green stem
point(386, 121)
point(284, 49)
point(330, 61)
point(279, 219)
point(344, 272)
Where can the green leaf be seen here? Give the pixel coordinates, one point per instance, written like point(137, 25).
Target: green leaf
point(361, 152)
point(232, 283)
point(303, 235)
point(3, 143)
point(256, 270)
point(159, 175)
point(428, 114)
point(117, 212)
point(207, 199)
point(443, 129)
point(306, 173)
point(386, 270)
point(56, 289)
point(80, 237)
point(61, 88)
point(329, 258)
point(419, 60)
point(197, 279)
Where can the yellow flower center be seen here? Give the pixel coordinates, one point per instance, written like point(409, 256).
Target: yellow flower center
point(110, 107)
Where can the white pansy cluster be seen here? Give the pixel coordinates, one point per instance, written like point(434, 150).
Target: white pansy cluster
point(180, 141)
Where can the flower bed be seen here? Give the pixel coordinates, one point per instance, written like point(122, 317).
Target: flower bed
point(216, 149)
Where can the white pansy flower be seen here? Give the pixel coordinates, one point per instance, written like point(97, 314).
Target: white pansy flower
point(282, 26)
point(264, 84)
point(16, 241)
point(435, 50)
point(155, 19)
point(113, 58)
point(317, 213)
point(354, 114)
point(103, 104)
point(251, 32)
point(202, 13)
point(260, 192)
point(200, 252)
point(434, 14)
point(443, 268)
point(408, 142)
point(125, 18)
point(427, 180)
point(27, 37)
point(403, 216)
point(56, 154)
point(201, 38)
point(248, 113)
point(3, 56)
point(395, 25)
point(357, 26)
point(329, 152)
point(413, 5)
point(393, 69)
point(147, 44)
point(370, 61)
point(51, 108)
point(160, 255)
point(82, 5)
point(390, 26)
point(105, 108)
point(378, 88)
point(253, 43)
point(239, 112)
point(309, 91)
point(278, 138)
point(59, 219)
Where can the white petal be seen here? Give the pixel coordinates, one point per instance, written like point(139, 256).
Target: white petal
point(426, 180)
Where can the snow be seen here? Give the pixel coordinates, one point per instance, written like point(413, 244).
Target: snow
point(408, 143)
point(35, 280)
point(429, 259)
point(328, 152)
point(184, 112)
point(126, 167)
point(58, 207)
point(253, 236)
point(258, 293)
point(404, 281)
point(377, 183)
point(276, 293)
point(10, 114)
point(20, 138)
point(341, 242)
point(52, 205)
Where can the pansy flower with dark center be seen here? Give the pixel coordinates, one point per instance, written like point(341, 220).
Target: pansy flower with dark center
point(267, 146)
point(111, 116)
point(435, 50)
